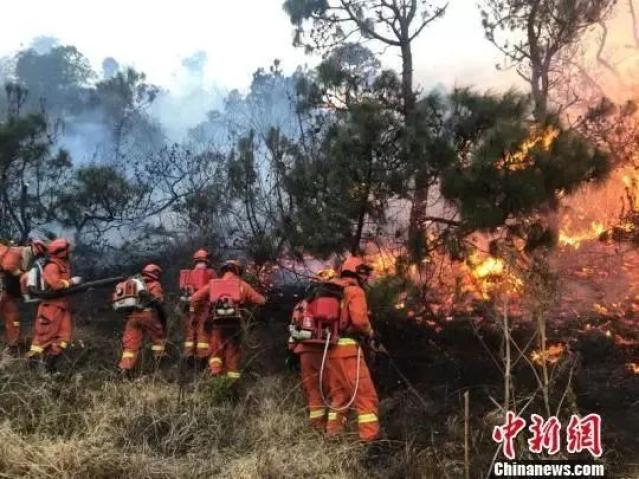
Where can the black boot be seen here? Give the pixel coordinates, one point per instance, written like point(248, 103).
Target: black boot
point(52, 363)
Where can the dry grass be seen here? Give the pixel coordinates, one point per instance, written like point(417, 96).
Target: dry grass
point(91, 424)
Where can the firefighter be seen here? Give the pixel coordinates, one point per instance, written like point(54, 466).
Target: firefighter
point(310, 360)
point(148, 319)
point(53, 325)
point(347, 375)
point(196, 336)
point(225, 337)
point(14, 262)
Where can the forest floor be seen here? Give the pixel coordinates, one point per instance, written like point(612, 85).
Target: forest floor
point(89, 422)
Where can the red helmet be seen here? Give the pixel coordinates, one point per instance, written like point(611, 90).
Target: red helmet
point(232, 265)
point(59, 248)
point(39, 248)
point(201, 255)
point(152, 271)
point(355, 265)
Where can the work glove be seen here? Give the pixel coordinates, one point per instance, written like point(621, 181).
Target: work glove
point(374, 342)
point(76, 280)
point(292, 362)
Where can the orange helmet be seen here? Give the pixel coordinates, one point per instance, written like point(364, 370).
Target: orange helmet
point(59, 248)
point(232, 265)
point(39, 248)
point(152, 271)
point(355, 265)
point(201, 255)
point(324, 275)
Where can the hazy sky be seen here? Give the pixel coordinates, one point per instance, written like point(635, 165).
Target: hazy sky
point(237, 35)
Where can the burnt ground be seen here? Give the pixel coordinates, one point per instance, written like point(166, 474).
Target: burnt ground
point(422, 379)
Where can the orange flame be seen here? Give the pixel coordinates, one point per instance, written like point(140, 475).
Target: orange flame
point(521, 159)
point(551, 355)
point(490, 274)
point(574, 240)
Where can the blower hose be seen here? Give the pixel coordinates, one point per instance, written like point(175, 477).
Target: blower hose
point(321, 377)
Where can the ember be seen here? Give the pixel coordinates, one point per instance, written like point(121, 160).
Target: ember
point(633, 367)
point(551, 355)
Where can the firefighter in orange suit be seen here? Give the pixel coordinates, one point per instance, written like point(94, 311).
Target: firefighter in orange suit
point(225, 342)
point(53, 325)
point(310, 363)
point(14, 262)
point(196, 336)
point(148, 321)
point(347, 375)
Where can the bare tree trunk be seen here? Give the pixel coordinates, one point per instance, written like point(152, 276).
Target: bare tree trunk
point(507, 355)
point(407, 78)
point(419, 207)
point(541, 328)
point(467, 435)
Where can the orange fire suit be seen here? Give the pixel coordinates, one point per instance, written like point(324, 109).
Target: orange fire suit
point(310, 365)
point(11, 265)
point(196, 337)
point(225, 342)
point(140, 324)
point(53, 325)
point(344, 362)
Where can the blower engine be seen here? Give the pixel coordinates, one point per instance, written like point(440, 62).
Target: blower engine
point(320, 316)
point(33, 281)
point(225, 296)
point(193, 279)
point(127, 295)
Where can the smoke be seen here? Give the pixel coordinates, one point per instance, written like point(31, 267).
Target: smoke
point(188, 100)
point(110, 68)
point(44, 44)
point(86, 138)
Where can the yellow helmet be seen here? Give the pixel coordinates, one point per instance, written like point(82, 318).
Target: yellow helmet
point(325, 274)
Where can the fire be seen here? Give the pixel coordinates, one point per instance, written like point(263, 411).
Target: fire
point(551, 356)
point(633, 368)
point(383, 262)
point(489, 274)
point(574, 240)
point(522, 159)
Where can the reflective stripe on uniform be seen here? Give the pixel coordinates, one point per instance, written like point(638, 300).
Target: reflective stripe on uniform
point(157, 347)
point(366, 418)
point(332, 416)
point(128, 355)
point(36, 349)
point(346, 342)
point(203, 345)
point(316, 413)
point(233, 374)
point(63, 344)
point(215, 360)
point(188, 344)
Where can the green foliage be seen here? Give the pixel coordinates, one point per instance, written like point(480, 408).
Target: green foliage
point(490, 187)
point(346, 188)
point(300, 10)
point(30, 175)
point(97, 197)
point(56, 77)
